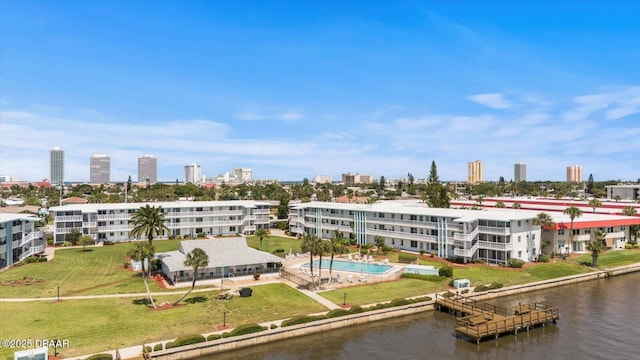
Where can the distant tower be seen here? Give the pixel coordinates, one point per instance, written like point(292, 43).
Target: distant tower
point(520, 172)
point(100, 172)
point(56, 165)
point(574, 173)
point(475, 172)
point(148, 169)
point(192, 174)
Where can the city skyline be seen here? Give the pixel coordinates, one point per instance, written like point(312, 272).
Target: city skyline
point(383, 87)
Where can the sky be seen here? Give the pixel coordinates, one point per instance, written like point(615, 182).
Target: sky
point(294, 89)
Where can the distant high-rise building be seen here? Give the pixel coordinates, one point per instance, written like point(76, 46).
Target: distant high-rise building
point(56, 166)
point(475, 172)
point(148, 169)
point(520, 172)
point(192, 174)
point(350, 179)
point(243, 174)
point(574, 173)
point(322, 179)
point(100, 172)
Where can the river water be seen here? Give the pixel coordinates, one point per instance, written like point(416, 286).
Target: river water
point(600, 320)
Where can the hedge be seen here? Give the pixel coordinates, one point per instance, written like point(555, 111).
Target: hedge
point(214, 337)
point(246, 329)
point(406, 258)
point(100, 357)
point(300, 320)
point(516, 263)
point(186, 340)
point(446, 271)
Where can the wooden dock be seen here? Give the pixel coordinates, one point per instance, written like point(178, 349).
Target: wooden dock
point(479, 320)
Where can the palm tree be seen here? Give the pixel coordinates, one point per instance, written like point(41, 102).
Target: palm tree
point(516, 205)
point(480, 200)
point(322, 247)
point(595, 203)
point(617, 198)
point(140, 252)
point(262, 233)
point(573, 213)
point(633, 229)
point(545, 221)
point(148, 221)
point(500, 205)
point(308, 245)
point(596, 246)
point(196, 259)
point(337, 245)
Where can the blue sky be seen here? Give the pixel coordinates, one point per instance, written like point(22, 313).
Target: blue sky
point(298, 88)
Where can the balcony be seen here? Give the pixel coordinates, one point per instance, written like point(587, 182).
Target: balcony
point(494, 245)
point(66, 230)
point(172, 215)
point(466, 237)
point(583, 237)
point(111, 228)
point(68, 218)
point(89, 224)
point(468, 253)
point(30, 237)
point(494, 230)
point(114, 217)
point(401, 235)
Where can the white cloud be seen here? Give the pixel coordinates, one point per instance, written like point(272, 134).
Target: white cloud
point(494, 101)
point(412, 124)
point(618, 104)
point(291, 115)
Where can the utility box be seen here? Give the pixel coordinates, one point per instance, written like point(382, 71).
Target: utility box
point(461, 283)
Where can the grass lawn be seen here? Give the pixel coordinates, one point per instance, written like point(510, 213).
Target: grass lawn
point(275, 242)
point(102, 324)
point(611, 258)
point(99, 271)
point(368, 294)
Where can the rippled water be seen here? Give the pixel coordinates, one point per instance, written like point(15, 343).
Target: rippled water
point(600, 320)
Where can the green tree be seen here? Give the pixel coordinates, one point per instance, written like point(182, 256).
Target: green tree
point(436, 195)
point(142, 251)
point(148, 221)
point(262, 233)
point(129, 182)
point(196, 259)
point(379, 241)
point(594, 203)
point(310, 245)
point(544, 221)
point(500, 205)
point(336, 246)
point(516, 205)
point(86, 240)
point(590, 184)
point(596, 246)
point(617, 198)
point(73, 236)
point(573, 213)
point(633, 229)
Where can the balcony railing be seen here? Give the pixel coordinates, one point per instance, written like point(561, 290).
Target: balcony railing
point(466, 252)
point(494, 245)
point(494, 230)
point(68, 218)
point(30, 237)
point(466, 237)
point(401, 235)
point(114, 217)
point(171, 215)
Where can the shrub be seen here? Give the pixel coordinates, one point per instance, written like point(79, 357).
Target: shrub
point(107, 242)
point(100, 357)
point(516, 263)
point(67, 244)
point(446, 271)
point(125, 264)
point(399, 302)
point(448, 294)
point(148, 348)
point(214, 337)
point(277, 251)
point(406, 258)
point(481, 288)
point(201, 235)
point(246, 329)
point(186, 340)
point(543, 258)
point(434, 278)
point(226, 334)
point(50, 240)
point(495, 286)
point(356, 309)
point(337, 313)
point(478, 261)
point(300, 320)
point(274, 326)
point(158, 347)
point(465, 291)
point(422, 251)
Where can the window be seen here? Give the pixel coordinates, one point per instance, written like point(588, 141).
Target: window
point(520, 253)
point(393, 241)
point(414, 244)
point(560, 231)
point(519, 223)
point(401, 242)
point(519, 238)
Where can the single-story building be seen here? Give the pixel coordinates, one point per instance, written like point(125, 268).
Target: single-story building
point(228, 257)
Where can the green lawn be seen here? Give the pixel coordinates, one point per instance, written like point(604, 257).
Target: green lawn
point(275, 242)
point(373, 293)
point(99, 271)
point(612, 258)
point(103, 324)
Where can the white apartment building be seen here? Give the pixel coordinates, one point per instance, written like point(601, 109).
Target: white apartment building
point(243, 174)
point(192, 174)
point(110, 222)
point(322, 179)
point(19, 238)
point(495, 235)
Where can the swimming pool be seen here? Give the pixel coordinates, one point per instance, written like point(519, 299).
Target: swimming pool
point(352, 266)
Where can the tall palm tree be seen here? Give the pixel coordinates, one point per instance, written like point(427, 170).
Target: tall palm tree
point(196, 259)
point(309, 246)
point(545, 221)
point(322, 247)
point(596, 246)
point(633, 229)
point(337, 245)
point(262, 233)
point(573, 213)
point(594, 203)
point(140, 252)
point(148, 221)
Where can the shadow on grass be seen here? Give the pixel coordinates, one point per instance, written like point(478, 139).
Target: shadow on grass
point(86, 250)
point(196, 300)
point(143, 301)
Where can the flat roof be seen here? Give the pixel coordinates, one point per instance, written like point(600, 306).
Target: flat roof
point(164, 204)
point(11, 217)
